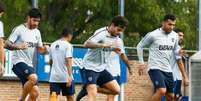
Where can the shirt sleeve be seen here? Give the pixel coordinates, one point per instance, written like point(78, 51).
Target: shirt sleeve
point(121, 45)
point(146, 41)
point(176, 49)
point(97, 37)
point(40, 43)
point(69, 52)
point(14, 35)
point(1, 30)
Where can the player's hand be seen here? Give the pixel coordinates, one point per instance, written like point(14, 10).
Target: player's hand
point(23, 45)
point(46, 48)
point(2, 70)
point(186, 81)
point(69, 81)
point(117, 50)
point(182, 52)
point(141, 69)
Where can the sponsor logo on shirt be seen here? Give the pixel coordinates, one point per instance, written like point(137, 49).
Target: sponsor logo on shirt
point(165, 47)
point(31, 44)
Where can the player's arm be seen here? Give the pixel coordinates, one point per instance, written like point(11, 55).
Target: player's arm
point(1, 51)
point(91, 44)
point(147, 40)
point(1, 57)
point(43, 50)
point(10, 43)
point(12, 46)
point(69, 63)
point(183, 72)
point(179, 52)
point(95, 41)
point(126, 61)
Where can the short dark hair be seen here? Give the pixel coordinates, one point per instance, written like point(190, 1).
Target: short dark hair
point(34, 13)
point(169, 17)
point(120, 21)
point(66, 31)
point(177, 30)
point(2, 7)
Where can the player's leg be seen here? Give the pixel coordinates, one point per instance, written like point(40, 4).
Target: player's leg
point(92, 92)
point(177, 90)
point(83, 91)
point(27, 76)
point(28, 86)
point(108, 85)
point(90, 79)
point(169, 81)
point(68, 91)
point(111, 97)
point(157, 79)
point(54, 88)
point(34, 93)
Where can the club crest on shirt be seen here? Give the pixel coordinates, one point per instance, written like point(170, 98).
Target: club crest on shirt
point(90, 78)
point(26, 71)
point(172, 39)
point(57, 47)
point(156, 82)
point(36, 37)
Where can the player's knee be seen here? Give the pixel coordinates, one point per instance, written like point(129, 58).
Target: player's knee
point(170, 97)
point(33, 78)
point(116, 90)
point(34, 93)
point(161, 91)
point(92, 90)
point(70, 98)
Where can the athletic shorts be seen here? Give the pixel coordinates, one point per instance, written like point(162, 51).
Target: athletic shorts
point(162, 79)
point(99, 78)
point(177, 88)
point(66, 91)
point(117, 78)
point(22, 70)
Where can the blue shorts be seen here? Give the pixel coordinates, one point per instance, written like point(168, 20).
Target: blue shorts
point(162, 79)
point(177, 88)
point(22, 70)
point(99, 78)
point(66, 91)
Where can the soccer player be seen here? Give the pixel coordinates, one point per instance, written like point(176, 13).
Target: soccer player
point(101, 44)
point(113, 68)
point(176, 72)
point(25, 39)
point(1, 41)
point(61, 77)
point(163, 44)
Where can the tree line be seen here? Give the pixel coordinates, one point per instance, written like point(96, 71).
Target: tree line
point(85, 16)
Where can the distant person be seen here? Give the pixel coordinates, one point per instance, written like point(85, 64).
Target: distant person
point(176, 71)
point(2, 54)
point(24, 40)
point(61, 77)
point(114, 65)
point(163, 45)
